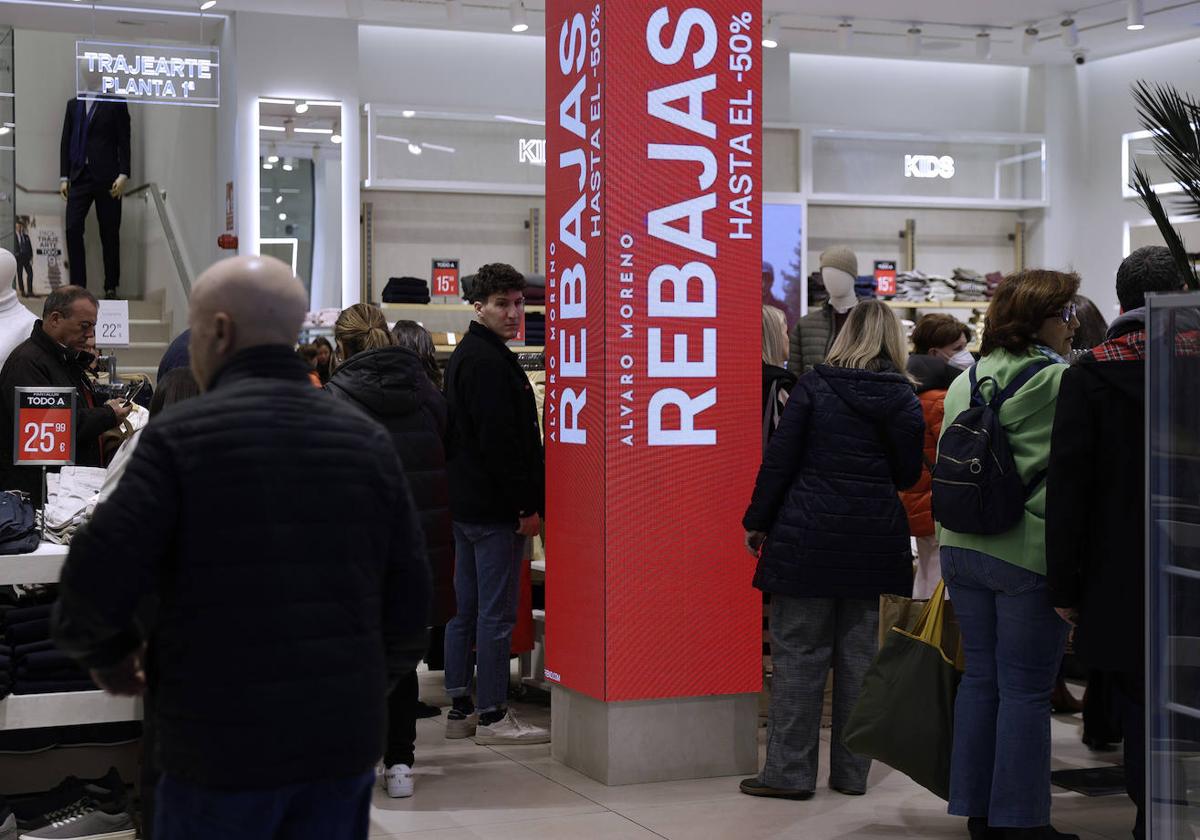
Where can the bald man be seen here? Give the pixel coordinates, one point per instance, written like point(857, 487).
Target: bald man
point(280, 624)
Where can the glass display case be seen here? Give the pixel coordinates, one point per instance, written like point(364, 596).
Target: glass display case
point(1173, 565)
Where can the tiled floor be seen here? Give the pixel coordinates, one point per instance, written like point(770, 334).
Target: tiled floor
point(467, 792)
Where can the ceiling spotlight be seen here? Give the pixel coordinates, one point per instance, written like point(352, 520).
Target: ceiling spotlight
point(268, 165)
point(1029, 39)
point(414, 149)
point(283, 217)
point(336, 137)
point(516, 15)
point(207, 4)
point(273, 157)
point(1135, 18)
point(771, 34)
point(454, 11)
point(301, 107)
point(279, 199)
point(4, 129)
point(912, 40)
point(408, 113)
point(845, 34)
point(983, 45)
point(1070, 32)
point(288, 165)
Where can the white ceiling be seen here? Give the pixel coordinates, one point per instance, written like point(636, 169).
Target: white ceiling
point(948, 27)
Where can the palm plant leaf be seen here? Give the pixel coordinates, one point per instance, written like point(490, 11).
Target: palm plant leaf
point(1172, 118)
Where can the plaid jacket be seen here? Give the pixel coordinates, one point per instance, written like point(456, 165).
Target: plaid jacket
point(1131, 347)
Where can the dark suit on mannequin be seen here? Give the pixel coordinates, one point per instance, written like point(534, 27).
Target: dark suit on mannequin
point(94, 154)
point(24, 255)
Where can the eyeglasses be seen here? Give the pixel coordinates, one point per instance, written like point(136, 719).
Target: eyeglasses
point(1068, 312)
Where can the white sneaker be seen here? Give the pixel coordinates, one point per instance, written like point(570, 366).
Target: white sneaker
point(399, 781)
point(509, 730)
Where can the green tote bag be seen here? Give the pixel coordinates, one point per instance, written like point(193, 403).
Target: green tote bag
point(905, 712)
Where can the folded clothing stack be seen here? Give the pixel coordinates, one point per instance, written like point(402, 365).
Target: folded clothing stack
point(864, 287)
point(76, 808)
point(941, 289)
point(72, 496)
point(535, 329)
point(993, 282)
point(969, 285)
point(33, 665)
point(406, 290)
point(535, 295)
point(912, 287)
point(18, 525)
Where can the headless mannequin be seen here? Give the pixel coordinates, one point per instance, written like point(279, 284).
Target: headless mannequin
point(16, 322)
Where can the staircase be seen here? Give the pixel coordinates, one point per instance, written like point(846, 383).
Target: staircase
point(149, 335)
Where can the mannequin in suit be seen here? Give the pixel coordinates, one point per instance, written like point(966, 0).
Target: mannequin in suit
point(94, 169)
point(24, 255)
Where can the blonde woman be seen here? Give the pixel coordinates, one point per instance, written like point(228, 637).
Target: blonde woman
point(832, 536)
point(776, 381)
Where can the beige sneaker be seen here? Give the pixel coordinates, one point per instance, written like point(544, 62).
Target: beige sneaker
point(459, 725)
point(509, 730)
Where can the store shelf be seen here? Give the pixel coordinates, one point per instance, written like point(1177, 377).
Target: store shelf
point(42, 566)
point(34, 711)
point(949, 304)
point(464, 307)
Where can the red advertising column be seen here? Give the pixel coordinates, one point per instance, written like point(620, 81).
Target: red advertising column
point(653, 403)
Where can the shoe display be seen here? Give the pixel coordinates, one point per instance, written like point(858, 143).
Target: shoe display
point(399, 781)
point(107, 793)
point(509, 730)
point(753, 787)
point(86, 821)
point(459, 725)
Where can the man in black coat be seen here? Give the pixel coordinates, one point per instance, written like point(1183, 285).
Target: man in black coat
point(497, 496)
point(54, 355)
point(279, 624)
point(1095, 512)
point(94, 158)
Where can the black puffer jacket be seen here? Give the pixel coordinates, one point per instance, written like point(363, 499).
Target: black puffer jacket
point(275, 614)
point(826, 492)
point(391, 386)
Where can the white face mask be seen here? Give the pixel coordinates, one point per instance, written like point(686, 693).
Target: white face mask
point(961, 360)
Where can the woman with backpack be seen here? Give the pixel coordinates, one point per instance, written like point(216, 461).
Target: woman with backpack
point(989, 498)
point(832, 536)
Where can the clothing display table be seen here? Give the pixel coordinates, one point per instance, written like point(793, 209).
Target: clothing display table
point(33, 711)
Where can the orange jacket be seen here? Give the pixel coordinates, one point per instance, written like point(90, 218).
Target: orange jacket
point(918, 500)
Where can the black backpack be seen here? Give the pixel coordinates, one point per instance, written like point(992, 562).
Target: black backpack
point(976, 486)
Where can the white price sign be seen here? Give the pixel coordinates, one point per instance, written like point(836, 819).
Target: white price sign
point(112, 324)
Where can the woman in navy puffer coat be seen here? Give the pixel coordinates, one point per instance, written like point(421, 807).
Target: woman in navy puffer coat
point(833, 537)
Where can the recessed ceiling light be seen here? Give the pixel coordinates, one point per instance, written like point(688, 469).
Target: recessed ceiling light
point(517, 16)
point(301, 107)
point(279, 199)
point(336, 137)
point(207, 4)
point(268, 165)
point(408, 113)
point(283, 217)
point(413, 148)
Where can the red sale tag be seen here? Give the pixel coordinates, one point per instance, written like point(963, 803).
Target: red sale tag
point(44, 434)
point(885, 278)
point(445, 278)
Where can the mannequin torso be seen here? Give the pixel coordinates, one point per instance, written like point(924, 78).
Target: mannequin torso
point(16, 322)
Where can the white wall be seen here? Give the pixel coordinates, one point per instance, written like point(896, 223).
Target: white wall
point(898, 95)
point(297, 57)
point(473, 71)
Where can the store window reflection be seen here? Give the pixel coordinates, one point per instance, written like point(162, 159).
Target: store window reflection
point(300, 186)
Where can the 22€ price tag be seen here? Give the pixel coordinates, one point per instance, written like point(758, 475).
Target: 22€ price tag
point(112, 324)
point(44, 434)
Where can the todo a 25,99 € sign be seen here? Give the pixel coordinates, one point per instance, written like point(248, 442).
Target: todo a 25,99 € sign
point(44, 431)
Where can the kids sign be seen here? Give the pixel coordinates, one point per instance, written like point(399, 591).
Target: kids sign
point(148, 74)
point(44, 434)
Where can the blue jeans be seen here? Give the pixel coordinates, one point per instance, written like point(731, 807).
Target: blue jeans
point(1013, 641)
point(487, 578)
point(334, 809)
